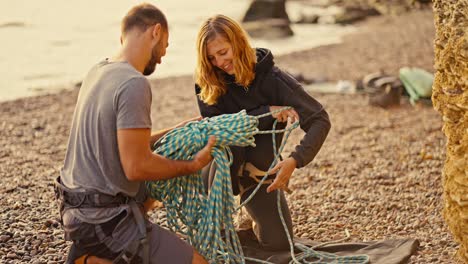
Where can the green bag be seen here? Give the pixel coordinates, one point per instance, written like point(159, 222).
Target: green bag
point(417, 83)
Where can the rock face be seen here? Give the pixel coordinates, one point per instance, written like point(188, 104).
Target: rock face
point(450, 96)
point(267, 19)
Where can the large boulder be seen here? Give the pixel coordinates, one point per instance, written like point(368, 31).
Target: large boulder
point(266, 9)
point(450, 97)
point(268, 28)
point(267, 19)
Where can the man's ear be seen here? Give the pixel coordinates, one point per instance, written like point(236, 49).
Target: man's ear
point(157, 32)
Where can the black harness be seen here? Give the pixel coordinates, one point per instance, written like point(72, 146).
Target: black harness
point(68, 198)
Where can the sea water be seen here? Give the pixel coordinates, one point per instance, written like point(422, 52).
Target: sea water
point(48, 45)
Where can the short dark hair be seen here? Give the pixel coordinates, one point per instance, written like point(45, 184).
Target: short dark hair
point(142, 16)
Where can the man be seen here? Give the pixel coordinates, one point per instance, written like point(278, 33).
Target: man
point(100, 189)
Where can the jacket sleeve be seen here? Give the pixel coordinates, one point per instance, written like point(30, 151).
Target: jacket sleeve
point(205, 109)
point(313, 118)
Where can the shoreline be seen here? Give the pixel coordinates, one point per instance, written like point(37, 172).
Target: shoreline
point(388, 55)
point(378, 174)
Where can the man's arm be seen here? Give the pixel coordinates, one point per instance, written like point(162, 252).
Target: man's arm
point(140, 164)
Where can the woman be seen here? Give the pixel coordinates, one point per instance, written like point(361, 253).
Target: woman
point(232, 76)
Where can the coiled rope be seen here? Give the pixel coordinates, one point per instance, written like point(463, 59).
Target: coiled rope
point(206, 219)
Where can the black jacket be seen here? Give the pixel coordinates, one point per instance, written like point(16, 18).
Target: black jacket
point(271, 86)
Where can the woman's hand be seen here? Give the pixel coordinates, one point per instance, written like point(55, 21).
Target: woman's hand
point(159, 134)
point(183, 123)
point(285, 114)
point(284, 169)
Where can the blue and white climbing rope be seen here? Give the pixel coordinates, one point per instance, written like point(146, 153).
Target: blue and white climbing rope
point(206, 219)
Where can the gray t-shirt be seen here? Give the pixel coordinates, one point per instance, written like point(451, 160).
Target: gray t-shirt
point(113, 96)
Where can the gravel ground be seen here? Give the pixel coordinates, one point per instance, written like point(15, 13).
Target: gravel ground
point(378, 174)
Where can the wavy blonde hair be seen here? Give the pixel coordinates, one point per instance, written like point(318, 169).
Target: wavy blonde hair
point(208, 77)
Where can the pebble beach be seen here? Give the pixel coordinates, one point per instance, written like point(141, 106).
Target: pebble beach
point(378, 174)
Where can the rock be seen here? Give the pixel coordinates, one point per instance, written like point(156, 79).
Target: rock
point(51, 223)
point(344, 14)
point(268, 28)
point(329, 14)
point(308, 18)
point(266, 9)
point(306, 14)
point(353, 14)
point(4, 238)
point(267, 19)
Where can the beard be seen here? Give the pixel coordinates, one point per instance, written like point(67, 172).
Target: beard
point(151, 65)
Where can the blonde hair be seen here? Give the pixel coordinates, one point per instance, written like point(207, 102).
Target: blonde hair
point(207, 76)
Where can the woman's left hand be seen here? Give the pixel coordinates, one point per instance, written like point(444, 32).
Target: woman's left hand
point(284, 169)
point(183, 123)
point(284, 115)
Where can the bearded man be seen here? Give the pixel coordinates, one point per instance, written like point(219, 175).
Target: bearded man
point(101, 190)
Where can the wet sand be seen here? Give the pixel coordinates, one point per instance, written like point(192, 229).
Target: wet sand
point(378, 174)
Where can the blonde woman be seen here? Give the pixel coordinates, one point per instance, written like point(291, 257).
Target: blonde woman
point(232, 76)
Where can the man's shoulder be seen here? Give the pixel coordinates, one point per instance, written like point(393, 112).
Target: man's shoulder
point(123, 69)
point(120, 74)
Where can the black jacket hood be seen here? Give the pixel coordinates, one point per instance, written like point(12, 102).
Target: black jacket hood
point(264, 60)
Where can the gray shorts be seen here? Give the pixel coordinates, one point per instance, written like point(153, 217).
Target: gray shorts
point(107, 240)
point(166, 247)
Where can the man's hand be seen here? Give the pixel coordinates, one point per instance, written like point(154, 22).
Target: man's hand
point(141, 164)
point(284, 169)
point(285, 114)
point(203, 157)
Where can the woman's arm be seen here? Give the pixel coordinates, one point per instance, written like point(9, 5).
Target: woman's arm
point(313, 119)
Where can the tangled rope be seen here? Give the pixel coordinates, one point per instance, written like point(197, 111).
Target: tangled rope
point(206, 219)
